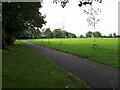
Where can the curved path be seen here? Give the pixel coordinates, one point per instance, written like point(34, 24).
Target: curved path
point(95, 75)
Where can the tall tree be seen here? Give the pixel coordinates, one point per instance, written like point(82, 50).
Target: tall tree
point(18, 16)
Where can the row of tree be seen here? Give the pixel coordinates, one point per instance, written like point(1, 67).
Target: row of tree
point(113, 35)
point(47, 33)
point(32, 32)
point(98, 34)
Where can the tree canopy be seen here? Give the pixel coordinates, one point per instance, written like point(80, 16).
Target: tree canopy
point(48, 33)
point(95, 34)
point(19, 16)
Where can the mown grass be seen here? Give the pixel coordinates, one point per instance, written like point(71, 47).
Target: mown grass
point(0, 68)
point(24, 67)
point(106, 51)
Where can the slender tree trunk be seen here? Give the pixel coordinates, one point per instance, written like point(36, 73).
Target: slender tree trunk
point(48, 39)
point(94, 33)
point(60, 41)
point(0, 30)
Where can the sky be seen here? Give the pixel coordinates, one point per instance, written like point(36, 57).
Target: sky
point(74, 20)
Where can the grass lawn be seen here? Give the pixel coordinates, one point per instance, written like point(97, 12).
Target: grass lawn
point(0, 68)
point(106, 52)
point(24, 67)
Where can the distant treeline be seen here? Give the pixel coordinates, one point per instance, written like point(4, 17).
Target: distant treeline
point(59, 33)
point(98, 34)
point(46, 33)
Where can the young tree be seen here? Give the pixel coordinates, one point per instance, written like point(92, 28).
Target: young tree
point(48, 33)
point(92, 18)
point(42, 34)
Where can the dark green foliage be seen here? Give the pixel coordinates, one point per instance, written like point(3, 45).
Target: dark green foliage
point(89, 34)
point(81, 36)
point(57, 33)
point(95, 34)
point(66, 34)
point(31, 32)
point(48, 33)
point(17, 17)
point(71, 35)
point(114, 35)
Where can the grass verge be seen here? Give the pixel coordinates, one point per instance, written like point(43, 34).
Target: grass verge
point(24, 67)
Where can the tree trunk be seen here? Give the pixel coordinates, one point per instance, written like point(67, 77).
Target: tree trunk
point(0, 37)
point(3, 43)
point(3, 39)
point(10, 39)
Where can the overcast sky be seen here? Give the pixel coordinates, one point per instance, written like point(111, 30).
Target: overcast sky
point(74, 20)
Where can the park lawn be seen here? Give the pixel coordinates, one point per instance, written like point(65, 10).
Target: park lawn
point(0, 68)
point(105, 53)
point(24, 67)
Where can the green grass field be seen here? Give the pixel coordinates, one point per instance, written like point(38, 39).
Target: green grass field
point(106, 51)
point(24, 67)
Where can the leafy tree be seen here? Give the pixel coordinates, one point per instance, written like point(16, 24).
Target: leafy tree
point(66, 34)
point(89, 34)
point(97, 34)
point(48, 33)
point(57, 33)
point(114, 35)
point(63, 33)
point(18, 16)
point(81, 36)
point(110, 35)
point(71, 35)
point(32, 32)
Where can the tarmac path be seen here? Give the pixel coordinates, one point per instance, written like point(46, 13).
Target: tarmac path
point(94, 74)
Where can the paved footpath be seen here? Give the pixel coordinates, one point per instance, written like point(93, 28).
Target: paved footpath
point(95, 75)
